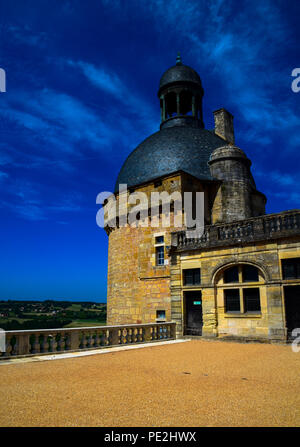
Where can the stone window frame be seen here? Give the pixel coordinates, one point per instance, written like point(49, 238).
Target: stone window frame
point(159, 244)
point(197, 285)
point(241, 285)
point(292, 259)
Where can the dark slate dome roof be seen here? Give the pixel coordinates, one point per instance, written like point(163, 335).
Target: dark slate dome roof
point(169, 150)
point(179, 73)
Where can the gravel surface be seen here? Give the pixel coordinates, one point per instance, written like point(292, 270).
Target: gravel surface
point(198, 383)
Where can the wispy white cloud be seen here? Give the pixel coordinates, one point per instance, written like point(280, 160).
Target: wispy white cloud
point(25, 198)
point(101, 78)
point(26, 35)
point(279, 178)
point(58, 119)
point(236, 44)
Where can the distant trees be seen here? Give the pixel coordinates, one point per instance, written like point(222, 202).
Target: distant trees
point(37, 323)
point(48, 314)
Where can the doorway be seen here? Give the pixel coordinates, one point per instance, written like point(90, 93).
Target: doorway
point(292, 308)
point(193, 313)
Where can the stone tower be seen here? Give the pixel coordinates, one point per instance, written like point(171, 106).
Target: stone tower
point(181, 157)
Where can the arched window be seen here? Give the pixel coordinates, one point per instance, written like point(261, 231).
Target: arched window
point(185, 103)
point(241, 288)
point(171, 105)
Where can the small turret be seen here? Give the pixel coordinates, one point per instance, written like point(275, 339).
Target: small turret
point(237, 197)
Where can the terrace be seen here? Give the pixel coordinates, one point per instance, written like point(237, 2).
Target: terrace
point(191, 383)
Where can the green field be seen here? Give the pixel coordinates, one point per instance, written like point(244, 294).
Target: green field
point(50, 314)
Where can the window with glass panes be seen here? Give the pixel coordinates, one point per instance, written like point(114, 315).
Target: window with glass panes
point(241, 298)
point(232, 300)
point(160, 250)
point(251, 299)
point(191, 277)
point(291, 268)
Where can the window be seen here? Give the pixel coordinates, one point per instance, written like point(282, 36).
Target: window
point(240, 298)
point(160, 255)
point(160, 314)
point(159, 250)
point(250, 273)
point(291, 268)
point(232, 300)
point(231, 274)
point(191, 277)
point(251, 300)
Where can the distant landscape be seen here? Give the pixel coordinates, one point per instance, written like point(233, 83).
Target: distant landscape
point(50, 314)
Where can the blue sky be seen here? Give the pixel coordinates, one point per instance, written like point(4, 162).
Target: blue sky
point(82, 79)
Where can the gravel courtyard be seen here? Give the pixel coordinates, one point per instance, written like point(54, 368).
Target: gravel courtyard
point(197, 383)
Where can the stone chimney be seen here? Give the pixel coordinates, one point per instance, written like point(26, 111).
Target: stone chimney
point(224, 125)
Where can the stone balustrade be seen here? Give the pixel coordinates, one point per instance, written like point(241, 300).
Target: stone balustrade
point(270, 226)
point(47, 341)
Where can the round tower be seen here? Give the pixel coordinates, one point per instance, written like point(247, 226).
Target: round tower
point(237, 197)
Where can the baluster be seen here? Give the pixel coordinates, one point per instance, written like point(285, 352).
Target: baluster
point(130, 335)
point(9, 347)
point(124, 336)
point(294, 221)
point(120, 336)
point(138, 335)
point(142, 334)
point(44, 343)
point(133, 335)
point(160, 335)
point(84, 341)
point(68, 342)
point(61, 342)
point(15, 345)
point(97, 339)
point(52, 343)
point(168, 331)
point(102, 338)
point(93, 337)
point(89, 339)
point(107, 338)
point(35, 346)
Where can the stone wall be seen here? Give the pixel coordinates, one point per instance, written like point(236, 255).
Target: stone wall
point(269, 324)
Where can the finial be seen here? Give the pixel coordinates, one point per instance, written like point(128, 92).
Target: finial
point(178, 59)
